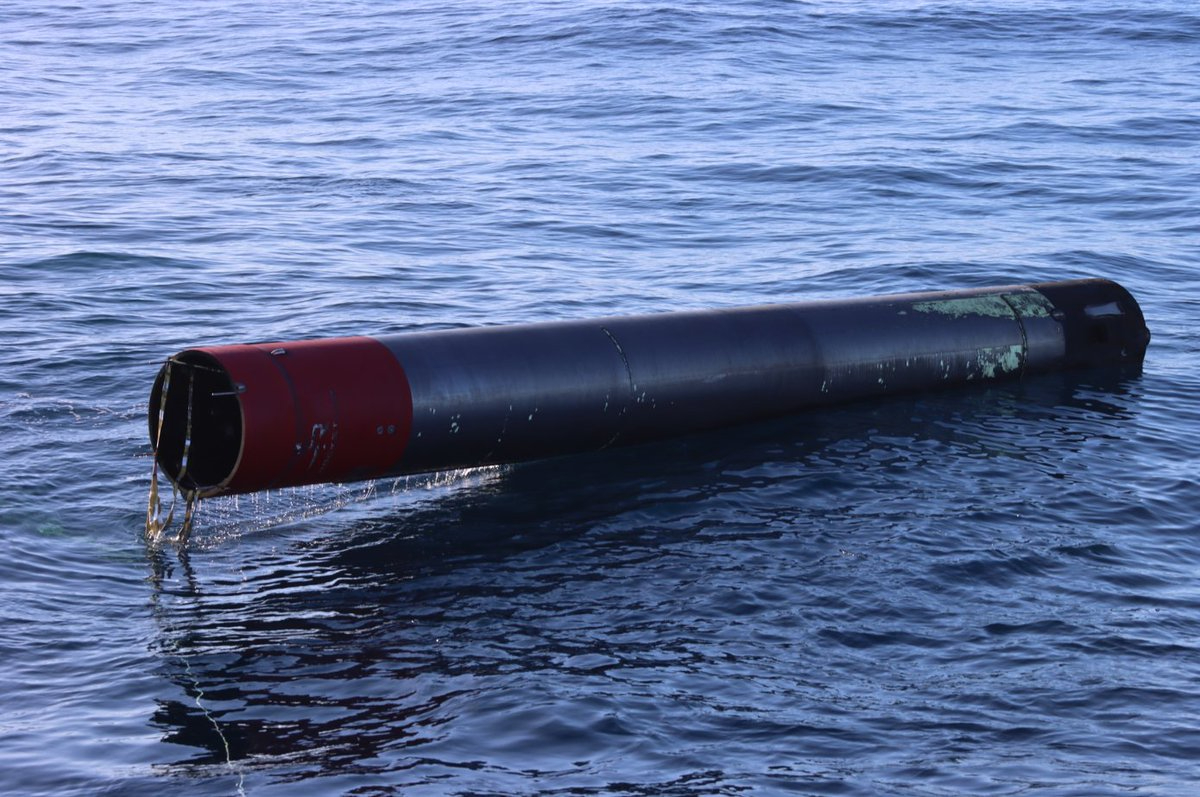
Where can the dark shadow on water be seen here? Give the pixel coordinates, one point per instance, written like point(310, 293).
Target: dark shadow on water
point(546, 502)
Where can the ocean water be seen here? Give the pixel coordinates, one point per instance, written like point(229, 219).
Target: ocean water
point(975, 592)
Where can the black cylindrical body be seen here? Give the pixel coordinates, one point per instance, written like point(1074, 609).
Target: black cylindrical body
point(251, 417)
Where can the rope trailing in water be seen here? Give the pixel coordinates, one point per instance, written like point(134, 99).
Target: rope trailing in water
point(185, 529)
point(156, 524)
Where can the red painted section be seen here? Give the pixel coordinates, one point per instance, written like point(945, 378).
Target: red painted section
point(328, 410)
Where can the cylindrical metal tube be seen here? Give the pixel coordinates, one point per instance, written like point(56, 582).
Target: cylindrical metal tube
point(235, 419)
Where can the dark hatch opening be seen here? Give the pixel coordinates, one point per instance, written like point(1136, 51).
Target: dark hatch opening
point(216, 421)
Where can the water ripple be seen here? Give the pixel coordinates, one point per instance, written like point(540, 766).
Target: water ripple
point(986, 591)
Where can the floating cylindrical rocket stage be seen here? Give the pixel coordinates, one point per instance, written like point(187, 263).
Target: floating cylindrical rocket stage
point(241, 418)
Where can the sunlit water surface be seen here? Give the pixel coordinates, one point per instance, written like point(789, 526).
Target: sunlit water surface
point(980, 592)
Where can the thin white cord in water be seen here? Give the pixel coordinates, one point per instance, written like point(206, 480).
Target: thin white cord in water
point(199, 700)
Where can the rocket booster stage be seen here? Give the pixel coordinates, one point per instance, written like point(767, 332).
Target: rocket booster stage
point(241, 418)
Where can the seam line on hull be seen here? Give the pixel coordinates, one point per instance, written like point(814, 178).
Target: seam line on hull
point(298, 433)
point(632, 387)
point(1024, 336)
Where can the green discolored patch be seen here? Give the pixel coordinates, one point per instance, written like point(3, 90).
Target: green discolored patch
point(1000, 360)
point(990, 306)
point(1030, 304)
point(1024, 304)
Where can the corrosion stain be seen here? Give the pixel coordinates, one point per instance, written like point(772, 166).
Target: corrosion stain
point(1000, 360)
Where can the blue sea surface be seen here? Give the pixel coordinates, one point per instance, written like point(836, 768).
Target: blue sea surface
point(992, 591)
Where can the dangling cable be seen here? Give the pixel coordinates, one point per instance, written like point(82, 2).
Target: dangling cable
point(155, 523)
point(190, 496)
point(191, 501)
